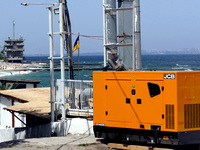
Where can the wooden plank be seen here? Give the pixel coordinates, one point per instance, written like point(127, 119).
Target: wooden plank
point(162, 149)
point(128, 147)
point(133, 147)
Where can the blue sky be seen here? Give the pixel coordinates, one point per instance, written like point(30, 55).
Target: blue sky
point(168, 24)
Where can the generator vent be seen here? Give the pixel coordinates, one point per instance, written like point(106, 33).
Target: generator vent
point(169, 116)
point(191, 115)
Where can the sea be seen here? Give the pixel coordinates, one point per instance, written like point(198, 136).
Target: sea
point(176, 62)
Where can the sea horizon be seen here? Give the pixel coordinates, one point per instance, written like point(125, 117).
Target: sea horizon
point(102, 54)
point(175, 62)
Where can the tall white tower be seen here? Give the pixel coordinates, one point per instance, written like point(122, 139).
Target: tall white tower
point(122, 40)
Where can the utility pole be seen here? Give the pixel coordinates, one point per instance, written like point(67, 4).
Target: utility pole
point(68, 39)
point(68, 44)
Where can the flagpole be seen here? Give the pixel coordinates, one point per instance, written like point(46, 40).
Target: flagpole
point(78, 57)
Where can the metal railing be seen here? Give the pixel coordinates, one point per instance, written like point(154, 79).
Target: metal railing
point(80, 94)
point(78, 98)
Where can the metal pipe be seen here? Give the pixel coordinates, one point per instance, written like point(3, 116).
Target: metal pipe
point(104, 34)
point(62, 61)
point(51, 63)
point(118, 9)
point(81, 110)
point(80, 81)
point(133, 40)
point(68, 40)
point(80, 95)
point(78, 56)
point(137, 36)
point(111, 45)
point(18, 118)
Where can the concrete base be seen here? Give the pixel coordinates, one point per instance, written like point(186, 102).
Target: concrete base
point(80, 126)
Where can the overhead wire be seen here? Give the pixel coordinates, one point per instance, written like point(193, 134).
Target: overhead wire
point(87, 36)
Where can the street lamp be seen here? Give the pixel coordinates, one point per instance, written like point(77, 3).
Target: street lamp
point(25, 4)
point(51, 4)
point(62, 63)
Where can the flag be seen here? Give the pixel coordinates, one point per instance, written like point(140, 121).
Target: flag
point(76, 45)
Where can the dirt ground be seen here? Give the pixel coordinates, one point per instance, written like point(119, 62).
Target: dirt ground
point(69, 142)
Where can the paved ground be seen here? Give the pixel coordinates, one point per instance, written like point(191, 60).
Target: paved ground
point(69, 142)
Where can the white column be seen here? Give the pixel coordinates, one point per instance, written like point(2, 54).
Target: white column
point(133, 39)
point(51, 62)
point(62, 61)
point(137, 36)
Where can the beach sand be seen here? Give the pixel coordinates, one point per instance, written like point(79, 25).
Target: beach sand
point(7, 69)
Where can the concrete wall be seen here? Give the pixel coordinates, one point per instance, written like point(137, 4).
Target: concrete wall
point(21, 116)
point(62, 128)
point(25, 132)
point(6, 116)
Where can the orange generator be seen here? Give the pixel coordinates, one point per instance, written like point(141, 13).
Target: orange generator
point(152, 107)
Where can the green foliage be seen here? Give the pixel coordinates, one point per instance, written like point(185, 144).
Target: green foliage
point(87, 144)
point(83, 144)
point(3, 50)
point(5, 59)
point(2, 55)
point(8, 86)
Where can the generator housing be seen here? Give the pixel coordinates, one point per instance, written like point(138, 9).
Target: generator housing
point(152, 107)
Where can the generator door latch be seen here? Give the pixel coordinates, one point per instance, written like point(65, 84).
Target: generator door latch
point(106, 113)
point(106, 87)
point(163, 88)
point(128, 101)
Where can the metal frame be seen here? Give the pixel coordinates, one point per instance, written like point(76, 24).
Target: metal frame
point(62, 59)
point(136, 39)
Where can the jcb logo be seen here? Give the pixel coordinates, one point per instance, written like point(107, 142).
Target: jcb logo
point(169, 76)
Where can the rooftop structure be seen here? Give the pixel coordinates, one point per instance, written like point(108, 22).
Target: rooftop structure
point(14, 49)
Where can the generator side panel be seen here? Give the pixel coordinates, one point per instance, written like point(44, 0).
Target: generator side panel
point(119, 99)
point(189, 101)
point(113, 98)
point(170, 101)
point(99, 99)
point(157, 91)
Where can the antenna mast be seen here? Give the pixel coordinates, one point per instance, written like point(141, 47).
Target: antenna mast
point(13, 29)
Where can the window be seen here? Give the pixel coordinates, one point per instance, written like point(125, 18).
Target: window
point(154, 89)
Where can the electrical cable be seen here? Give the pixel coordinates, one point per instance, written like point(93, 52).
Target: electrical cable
point(86, 36)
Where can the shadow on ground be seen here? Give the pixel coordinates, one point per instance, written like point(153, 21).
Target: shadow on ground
point(11, 143)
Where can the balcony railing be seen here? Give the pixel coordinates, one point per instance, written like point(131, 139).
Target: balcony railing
point(14, 50)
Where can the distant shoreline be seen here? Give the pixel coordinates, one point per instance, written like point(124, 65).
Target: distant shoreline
point(7, 68)
point(102, 54)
